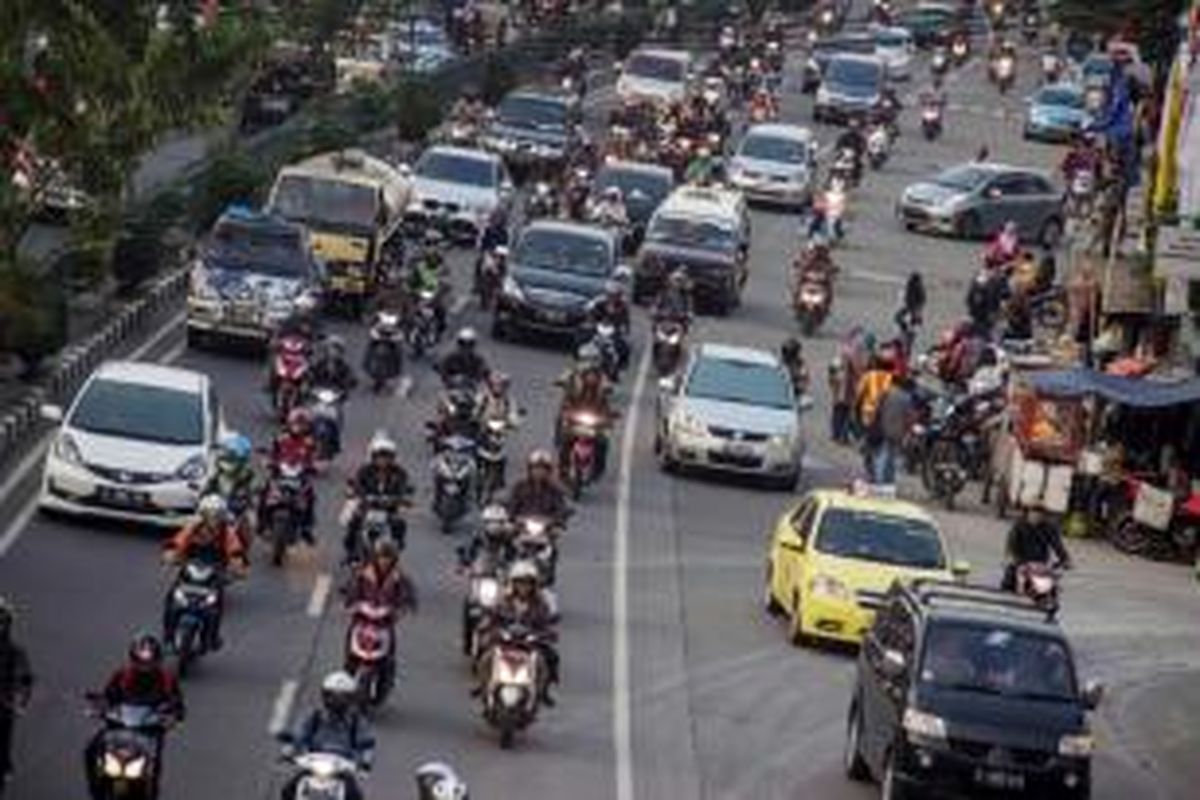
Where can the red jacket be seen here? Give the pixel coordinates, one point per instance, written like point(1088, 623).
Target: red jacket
point(292, 449)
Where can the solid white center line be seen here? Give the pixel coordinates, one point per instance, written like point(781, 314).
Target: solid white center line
point(622, 725)
point(320, 594)
point(282, 710)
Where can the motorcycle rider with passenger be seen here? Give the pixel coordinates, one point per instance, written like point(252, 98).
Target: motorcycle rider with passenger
point(383, 479)
point(613, 309)
point(213, 539)
point(538, 494)
point(296, 445)
point(524, 603)
point(338, 727)
point(491, 548)
point(1032, 540)
point(143, 681)
point(585, 388)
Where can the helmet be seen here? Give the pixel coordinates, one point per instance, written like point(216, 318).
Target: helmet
point(145, 651)
point(466, 338)
point(235, 448)
point(299, 418)
point(790, 348)
point(613, 288)
point(501, 251)
point(381, 444)
point(523, 570)
point(386, 547)
point(494, 518)
point(678, 277)
point(338, 690)
point(335, 346)
point(211, 507)
point(587, 355)
point(613, 193)
point(438, 781)
point(540, 458)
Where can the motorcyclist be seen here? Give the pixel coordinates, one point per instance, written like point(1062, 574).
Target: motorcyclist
point(16, 686)
point(1004, 247)
point(852, 139)
point(762, 104)
point(381, 580)
point(613, 309)
point(585, 387)
point(674, 302)
point(495, 231)
point(296, 445)
point(438, 781)
point(336, 727)
point(430, 273)
point(383, 481)
point(701, 169)
point(610, 209)
point(496, 258)
point(233, 478)
point(144, 681)
point(469, 109)
point(935, 93)
point(491, 548)
point(538, 494)
point(1084, 155)
point(331, 368)
point(791, 353)
point(214, 539)
point(464, 362)
point(1032, 539)
point(298, 327)
point(497, 399)
point(525, 603)
point(814, 262)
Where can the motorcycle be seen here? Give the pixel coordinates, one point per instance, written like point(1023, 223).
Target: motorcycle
point(542, 202)
point(492, 272)
point(1003, 71)
point(879, 145)
point(423, 327)
point(1179, 541)
point(370, 519)
point(577, 191)
point(326, 408)
point(291, 366)
point(960, 50)
point(931, 121)
point(371, 651)
point(1051, 67)
point(191, 611)
point(484, 590)
point(536, 540)
point(833, 229)
point(939, 62)
point(1040, 583)
point(286, 488)
point(1030, 26)
point(954, 446)
point(811, 302)
point(605, 340)
point(585, 432)
point(844, 169)
point(775, 56)
point(127, 758)
point(492, 461)
point(454, 476)
point(881, 12)
point(322, 774)
point(384, 360)
point(513, 692)
point(667, 350)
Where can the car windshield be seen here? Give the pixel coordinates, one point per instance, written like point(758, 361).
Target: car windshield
point(656, 68)
point(774, 148)
point(1060, 97)
point(138, 411)
point(974, 657)
point(563, 251)
point(457, 169)
point(689, 232)
point(536, 112)
point(654, 187)
point(888, 538)
point(747, 382)
point(963, 178)
point(853, 76)
point(263, 249)
point(321, 203)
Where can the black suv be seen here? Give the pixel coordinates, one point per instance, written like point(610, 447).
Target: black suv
point(968, 691)
point(534, 129)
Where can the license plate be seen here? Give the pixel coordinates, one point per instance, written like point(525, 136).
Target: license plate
point(123, 497)
point(999, 779)
point(555, 316)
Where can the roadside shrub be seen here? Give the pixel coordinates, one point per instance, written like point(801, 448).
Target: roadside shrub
point(32, 315)
point(140, 249)
point(370, 106)
point(499, 78)
point(330, 132)
point(232, 177)
point(418, 108)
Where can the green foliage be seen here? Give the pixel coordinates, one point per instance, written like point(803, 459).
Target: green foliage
point(330, 132)
point(232, 177)
point(371, 106)
point(1152, 23)
point(32, 314)
point(418, 108)
point(499, 78)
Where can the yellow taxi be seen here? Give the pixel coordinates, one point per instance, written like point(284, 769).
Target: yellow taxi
point(834, 554)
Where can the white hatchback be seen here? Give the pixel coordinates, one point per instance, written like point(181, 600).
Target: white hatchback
point(136, 444)
point(895, 46)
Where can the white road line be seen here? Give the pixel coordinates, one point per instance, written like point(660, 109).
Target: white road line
point(622, 725)
point(162, 333)
point(459, 304)
point(872, 276)
point(404, 387)
point(174, 354)
point(282, 709)
point(320, 595)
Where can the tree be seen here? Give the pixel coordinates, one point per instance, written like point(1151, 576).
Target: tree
point(1150, 23)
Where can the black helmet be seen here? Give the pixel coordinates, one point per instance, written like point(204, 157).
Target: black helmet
point(145, 651)
point(790, 348)
point(439, 781)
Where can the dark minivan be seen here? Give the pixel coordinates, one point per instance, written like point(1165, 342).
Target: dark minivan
point(968, 691)
point(556, 272)
point(852, 85)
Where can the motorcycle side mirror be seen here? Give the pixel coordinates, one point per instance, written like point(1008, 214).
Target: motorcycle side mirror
point(1092, 694)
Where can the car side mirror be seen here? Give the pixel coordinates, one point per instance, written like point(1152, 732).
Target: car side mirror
point(1092, 694)
point(667, 385)
point(51, 413)
point(960, 570)
point(893, 664)
point(806, 402)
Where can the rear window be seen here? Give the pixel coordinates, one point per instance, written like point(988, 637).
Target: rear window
point(855, 75)
point(457, 169)
point(1061, 96)
point(690, 232)
point(657, 68)
point(563, 251)
point(892, 40)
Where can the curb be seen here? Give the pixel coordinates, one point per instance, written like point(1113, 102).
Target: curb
point(23, 418)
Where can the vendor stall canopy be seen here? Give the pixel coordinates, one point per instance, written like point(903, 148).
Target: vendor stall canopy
point(1133, 392)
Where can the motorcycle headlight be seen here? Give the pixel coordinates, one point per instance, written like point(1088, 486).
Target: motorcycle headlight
point(1078, 746)
point(113, 767)
point(513, 289)
point(66, 449)
point(323, 768)
point(193, 469)
point(587, 419)
point(513, 672)
point(829, 586)
point(487, 592)
point(134, 768)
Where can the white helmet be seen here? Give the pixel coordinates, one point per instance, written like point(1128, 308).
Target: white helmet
point(439, 781)
point(381, 443)
point(494, 516)
point(211, 506)
point(338, 690)
point(524, 570)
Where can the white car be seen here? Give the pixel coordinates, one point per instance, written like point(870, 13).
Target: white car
point(457, 189)
point(657, 76)
point(135, 445)
point(895, 46)
point(775, 163)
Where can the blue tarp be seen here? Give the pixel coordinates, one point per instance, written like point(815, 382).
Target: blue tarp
point(1133, 392)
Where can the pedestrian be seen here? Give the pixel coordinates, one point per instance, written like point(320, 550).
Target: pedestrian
point(912, 309)
point(870, 390)
point(893, 417)
point(839, 420)
point(16, 683)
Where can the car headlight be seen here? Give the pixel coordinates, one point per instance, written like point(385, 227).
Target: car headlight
point(66, 449)
point(112, 766)
point(512, 289)
point(193, 469)
point(919, 723)
point(829, 586)
point(1078, 745)
point(689, 425)
point(781, 441)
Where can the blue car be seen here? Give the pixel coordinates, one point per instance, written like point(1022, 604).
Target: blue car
point(1056, 113)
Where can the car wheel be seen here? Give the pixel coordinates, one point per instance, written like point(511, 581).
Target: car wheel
point(969, 226)
point(889, 787)
point(855, 766)
point(770, 604)
point(1050, 234)
point(796, 634)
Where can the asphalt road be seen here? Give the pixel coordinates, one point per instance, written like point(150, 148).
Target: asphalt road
point(712, 702)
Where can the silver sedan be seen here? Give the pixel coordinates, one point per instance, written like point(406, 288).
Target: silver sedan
point(775, 164)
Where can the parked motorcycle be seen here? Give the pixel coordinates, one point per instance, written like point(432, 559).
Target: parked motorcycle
point(667, 349)
point(291, 367)
point(1179, 541)
point(371, 651)
point(326, 408)
point(512, 695)
point(454, 476)
point(955, 449)
point(384, 360)
point(191, 612)
point(286, 488)
point(127, 758)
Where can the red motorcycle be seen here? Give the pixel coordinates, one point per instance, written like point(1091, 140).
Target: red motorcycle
point(289, 374)
point(371, 651)
point(1179, 540)
point(585, 431)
